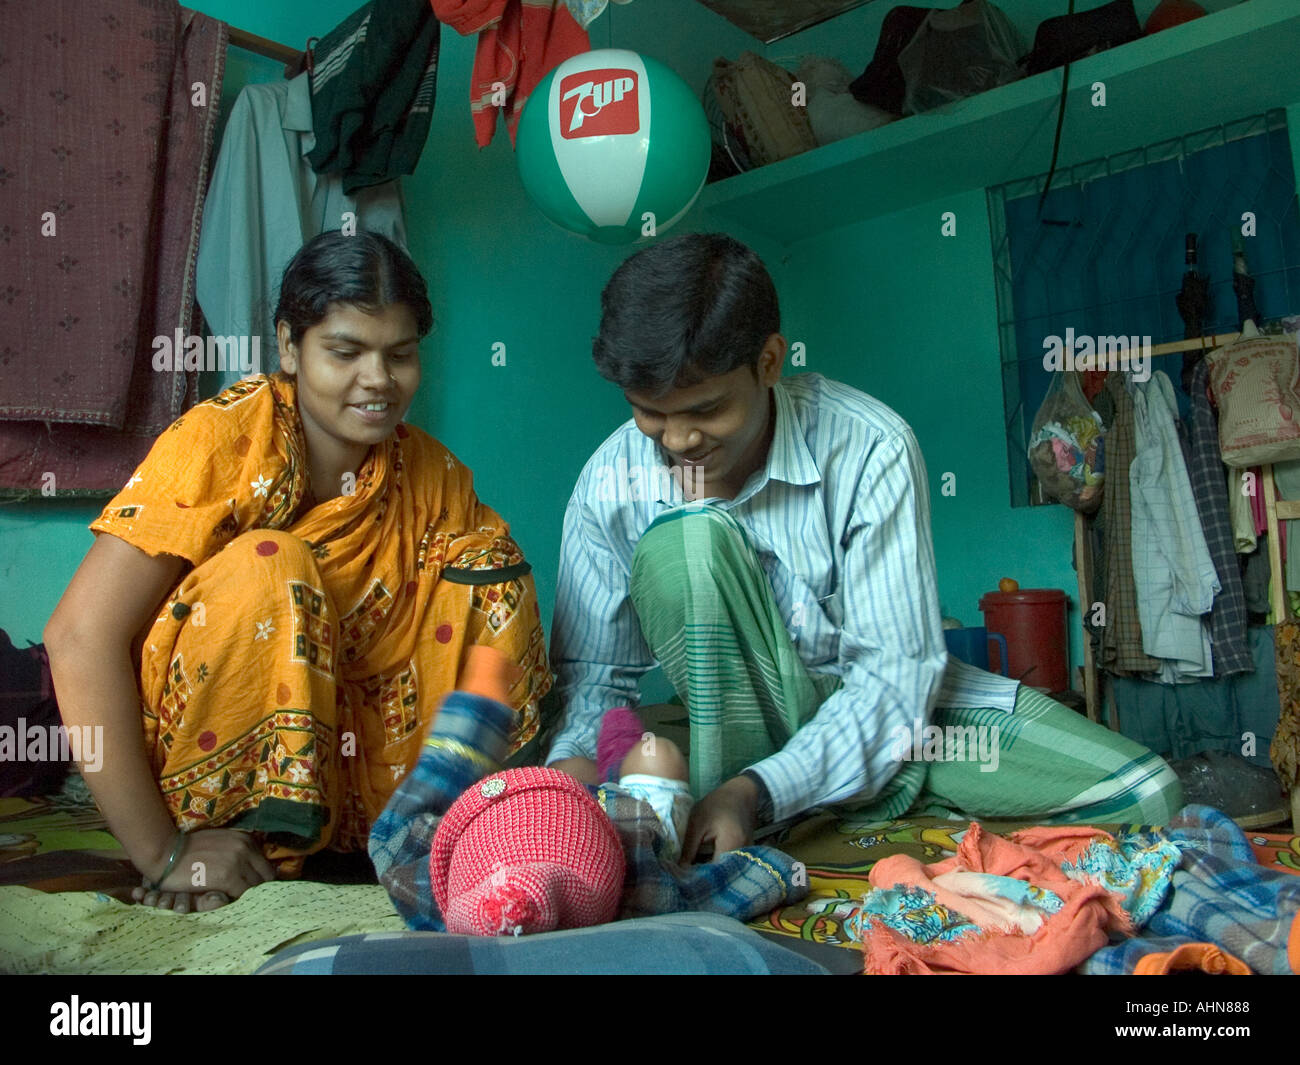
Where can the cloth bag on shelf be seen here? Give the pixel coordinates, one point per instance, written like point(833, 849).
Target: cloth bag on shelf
point(958, 53)
point(1256, 384)
point(1066, 38)
point(755, 96)
point(881, 84)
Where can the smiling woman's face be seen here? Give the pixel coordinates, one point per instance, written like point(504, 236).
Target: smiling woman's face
point(357, 374)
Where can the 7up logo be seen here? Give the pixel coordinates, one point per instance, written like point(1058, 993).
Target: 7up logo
point(594, 103)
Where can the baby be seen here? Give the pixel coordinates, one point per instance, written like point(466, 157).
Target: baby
point(465, 846)
point(649, 767)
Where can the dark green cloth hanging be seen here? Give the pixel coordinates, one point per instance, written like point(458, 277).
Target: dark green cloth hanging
point(373, 79)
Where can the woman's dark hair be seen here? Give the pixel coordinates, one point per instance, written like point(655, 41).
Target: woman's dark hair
point(366, 270)
point(690, 308)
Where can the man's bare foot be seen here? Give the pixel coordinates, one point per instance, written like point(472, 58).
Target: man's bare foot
point(181, 901)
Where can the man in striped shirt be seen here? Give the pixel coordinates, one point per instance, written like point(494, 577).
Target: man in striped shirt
point(767, 542)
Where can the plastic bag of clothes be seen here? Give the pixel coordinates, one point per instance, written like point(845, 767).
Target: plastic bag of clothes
point(958, 53)
point(1228, 783)
point(1067, 446)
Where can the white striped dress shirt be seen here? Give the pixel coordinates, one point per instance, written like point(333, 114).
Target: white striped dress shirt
point(840, 517)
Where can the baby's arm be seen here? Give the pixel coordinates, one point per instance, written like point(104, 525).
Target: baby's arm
point(470, 738)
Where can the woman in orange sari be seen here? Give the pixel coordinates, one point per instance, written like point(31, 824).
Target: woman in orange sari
point(279, 598)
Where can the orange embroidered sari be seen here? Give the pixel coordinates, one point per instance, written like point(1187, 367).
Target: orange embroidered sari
point(291, 675)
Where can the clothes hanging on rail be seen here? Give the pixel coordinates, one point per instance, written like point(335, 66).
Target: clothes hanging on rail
point(1172, 569)
point(106, 171)
point(1242, 519)
point(519, 43)
point(1205, 471)
point(264, 204)
point(1286, 478)
point(1180, 720)
point(1121, 637)
point(1256, 575)
point(372, 92)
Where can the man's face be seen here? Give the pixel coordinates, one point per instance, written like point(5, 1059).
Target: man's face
point(357, 374)
point(718, 431)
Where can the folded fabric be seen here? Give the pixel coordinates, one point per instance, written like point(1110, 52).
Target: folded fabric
point(1025, 915)
point(83, 932)
point(1138, 868)
point(1221, 895)
point(519, 43)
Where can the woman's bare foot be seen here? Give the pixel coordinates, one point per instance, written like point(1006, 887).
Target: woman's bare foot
point(181, 901)
point(226, 862)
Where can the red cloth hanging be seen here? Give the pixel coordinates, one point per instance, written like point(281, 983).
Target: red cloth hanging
point(519, 43)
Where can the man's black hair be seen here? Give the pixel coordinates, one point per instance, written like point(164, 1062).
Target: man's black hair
point(366, 270)
point(687, 309)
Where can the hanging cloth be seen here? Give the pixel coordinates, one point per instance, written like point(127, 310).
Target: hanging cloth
point(106, 175)
point(1172, 569)
point(1121, 637)
point(1205, 471)
point(373, 79)
point(518, 45)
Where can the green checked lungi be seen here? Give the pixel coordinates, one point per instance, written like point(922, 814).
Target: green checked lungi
point(709, 616)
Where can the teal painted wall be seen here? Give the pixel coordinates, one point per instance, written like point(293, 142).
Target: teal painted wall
point(894, 308)
point(888, 306)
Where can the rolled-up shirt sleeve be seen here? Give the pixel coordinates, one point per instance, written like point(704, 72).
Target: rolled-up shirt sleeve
point(597, 650)
point(891, 654)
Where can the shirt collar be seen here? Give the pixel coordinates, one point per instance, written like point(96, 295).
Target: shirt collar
point(297, 108)
point(789, 459)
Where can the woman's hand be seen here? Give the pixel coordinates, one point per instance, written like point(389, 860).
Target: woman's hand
point(221, 863)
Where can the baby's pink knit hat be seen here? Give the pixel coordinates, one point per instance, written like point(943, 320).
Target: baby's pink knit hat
point(526, 850)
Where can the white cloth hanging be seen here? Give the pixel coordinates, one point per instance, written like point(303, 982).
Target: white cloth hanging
point(1172, 568)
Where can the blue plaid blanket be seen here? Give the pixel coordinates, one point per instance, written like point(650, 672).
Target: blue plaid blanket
point(470, 740)
point(1220, 894)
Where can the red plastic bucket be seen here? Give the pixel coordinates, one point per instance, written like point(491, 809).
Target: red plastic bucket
point(1033, 621)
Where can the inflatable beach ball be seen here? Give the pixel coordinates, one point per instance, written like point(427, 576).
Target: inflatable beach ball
point(613, 145)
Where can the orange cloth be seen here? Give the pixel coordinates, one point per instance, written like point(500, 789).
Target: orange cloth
point(1089, 913)
point(291, 675)
point(1200, 957)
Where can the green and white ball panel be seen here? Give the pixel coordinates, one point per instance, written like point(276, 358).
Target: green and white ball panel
point(608, 136)
point(604, 172)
